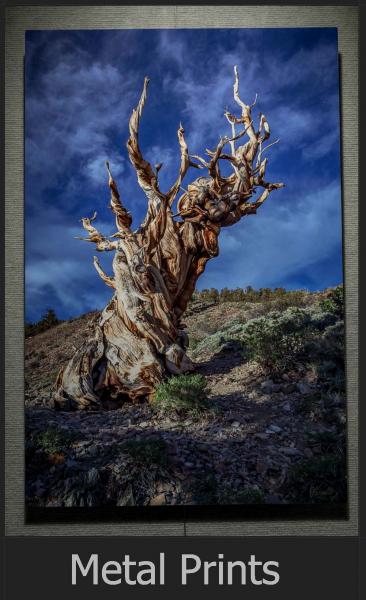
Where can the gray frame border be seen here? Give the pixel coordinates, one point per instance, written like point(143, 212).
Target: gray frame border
point(18, 20)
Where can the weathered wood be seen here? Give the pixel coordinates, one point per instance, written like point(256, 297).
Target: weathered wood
point(140, 338)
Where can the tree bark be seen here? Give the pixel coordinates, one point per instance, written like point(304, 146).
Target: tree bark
point(140, 338)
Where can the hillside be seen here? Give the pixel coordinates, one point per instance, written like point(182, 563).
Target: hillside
point(271, 427)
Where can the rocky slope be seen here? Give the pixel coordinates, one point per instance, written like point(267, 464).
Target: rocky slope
point(272, 431)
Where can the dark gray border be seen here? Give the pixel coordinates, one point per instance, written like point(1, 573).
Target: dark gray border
point(18, 19)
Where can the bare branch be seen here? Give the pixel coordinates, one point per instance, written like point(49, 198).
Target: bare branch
point(233, 132)
point(145, 175)
point(201, 160)
point(264, 126)
point(245, 108)
point(184, 166)
point(269, 145)
point(108, 280)
point(254, 101)
point(102, 243)
point(269, 187)
point(123, 217)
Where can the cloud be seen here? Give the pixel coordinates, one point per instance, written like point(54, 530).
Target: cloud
point(270, 248)
point(80, 89)
point(95, 169)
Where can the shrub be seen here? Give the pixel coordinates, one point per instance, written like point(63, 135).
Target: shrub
point(204, 490)
point(322, 478)
point(276, 341)
point(53, 440)
point(319, 480)
point(245, 495)
point(182, 394)
point(334, 301)
point(149, 451)
point(48, 320)
point(208, 491)
point(328, 353)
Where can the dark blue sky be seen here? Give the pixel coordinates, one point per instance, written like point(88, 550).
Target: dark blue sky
point(80, 89)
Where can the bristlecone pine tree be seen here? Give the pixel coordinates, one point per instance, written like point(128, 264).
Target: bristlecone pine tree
point(140, 338)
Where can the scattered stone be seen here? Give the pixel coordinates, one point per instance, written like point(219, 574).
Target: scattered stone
point(253, 440)
point(260, 466)
point(275, 428)
point(267, 386)
point(290, 451)
point(261, 436)
point(303, 388)
point(92, 477)
point(289, 388)
point(158, 500)
point(127, 498)
point(273, 499)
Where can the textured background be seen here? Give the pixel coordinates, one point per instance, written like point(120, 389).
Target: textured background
point(18, 20)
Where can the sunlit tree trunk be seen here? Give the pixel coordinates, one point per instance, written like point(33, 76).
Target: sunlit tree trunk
point(140, 338)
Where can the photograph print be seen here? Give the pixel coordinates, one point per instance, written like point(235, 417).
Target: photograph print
point(184, 309)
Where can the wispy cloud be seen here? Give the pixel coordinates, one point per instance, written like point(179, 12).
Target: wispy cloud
point(80, 89)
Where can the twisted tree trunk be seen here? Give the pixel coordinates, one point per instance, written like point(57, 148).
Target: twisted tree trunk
point(140, 337)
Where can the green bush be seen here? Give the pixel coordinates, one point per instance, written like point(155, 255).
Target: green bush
point(334, 301)
point(53, 440)
point(245, 495)
point(48, 320)
point(319, 480)
point(277, 340)
point(328, 354)
point(182, 394)
point(208, 491)
point(149, 451)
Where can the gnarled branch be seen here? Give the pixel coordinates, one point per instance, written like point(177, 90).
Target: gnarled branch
point(123, 216)
point(102, 243)
point(108, 280)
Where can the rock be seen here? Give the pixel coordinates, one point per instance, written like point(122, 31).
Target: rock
point(235, 424)
point(241, 419)
point(275, 428)
point(260, 466)
point(93, 451)
point(289, 388)
point(165, 487)
point(73, 499)
point(84, 443)
point(267, 386)
point(290, 451)
point(303, 388)
point(91, 500)
point(261, 436)
point(273, 499)
point(127, 499)
point(92, 476)
point(158, 500)
point(39, 488)
point(286, 407)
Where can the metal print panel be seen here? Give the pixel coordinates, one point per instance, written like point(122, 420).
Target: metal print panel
point(198, 359)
